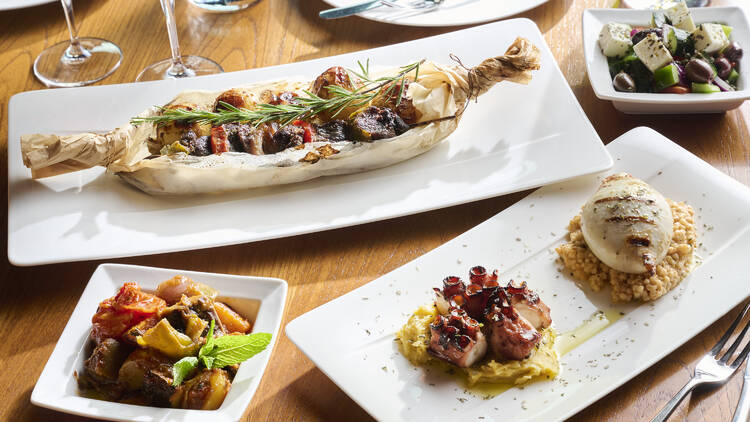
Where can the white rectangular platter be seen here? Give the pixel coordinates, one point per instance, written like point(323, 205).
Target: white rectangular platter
point(56, 387)
point(520, 241)
point(516, 137)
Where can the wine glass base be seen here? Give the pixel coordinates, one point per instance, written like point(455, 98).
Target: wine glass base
point(55, 67)
point(193, 66)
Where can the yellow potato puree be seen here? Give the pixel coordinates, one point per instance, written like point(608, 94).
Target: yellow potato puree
point(414, 338)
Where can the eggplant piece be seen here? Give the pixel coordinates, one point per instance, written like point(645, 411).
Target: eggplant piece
point(205, 391)
point(376, 123)
point(286, 137)
point(101, 368)
point(106, 359)
point(199, 146)
point(157, 385)
point(333, 131)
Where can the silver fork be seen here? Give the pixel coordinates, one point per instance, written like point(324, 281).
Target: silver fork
point(342, 12)
point(712, 369)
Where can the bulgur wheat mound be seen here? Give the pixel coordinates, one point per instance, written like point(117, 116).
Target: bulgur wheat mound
point(584, 266)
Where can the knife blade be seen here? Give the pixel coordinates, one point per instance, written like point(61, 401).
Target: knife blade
point(341, 12)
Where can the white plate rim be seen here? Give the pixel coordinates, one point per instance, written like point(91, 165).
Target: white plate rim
point(425, 22)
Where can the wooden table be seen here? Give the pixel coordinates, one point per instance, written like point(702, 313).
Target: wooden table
point(36, 302)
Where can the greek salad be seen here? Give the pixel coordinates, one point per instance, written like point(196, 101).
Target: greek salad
point(671, 55)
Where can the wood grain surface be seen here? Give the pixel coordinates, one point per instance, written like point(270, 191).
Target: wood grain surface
point(36, 302)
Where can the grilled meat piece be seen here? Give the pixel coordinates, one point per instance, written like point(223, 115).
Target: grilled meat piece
point(375, 123)
point(157, 385)
point(529, 305)
point(169, 133)
point(513, 337)
point(286, 137)
point(236, 97)
point(457, 339)
point(401, 104)
point(337, 76)
point(333, 131)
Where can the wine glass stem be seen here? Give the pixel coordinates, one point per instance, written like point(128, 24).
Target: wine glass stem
point(178, 68)
point(74, 51)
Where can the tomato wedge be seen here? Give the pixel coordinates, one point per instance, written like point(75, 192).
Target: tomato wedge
point(118, 314)
point(675, 89)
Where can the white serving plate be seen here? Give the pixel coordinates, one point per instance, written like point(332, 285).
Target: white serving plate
point(451, 12)
point(520, 241)
point(20, 4)
point(516, 137)
point(57, 389)
point(649, 103)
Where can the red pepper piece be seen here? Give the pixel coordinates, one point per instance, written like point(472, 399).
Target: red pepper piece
point(219, 141)
point(307, 137)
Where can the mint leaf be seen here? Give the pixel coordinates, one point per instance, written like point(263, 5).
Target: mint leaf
point(229, 350)
point(182, 368)
point(209, 346)
point(207, 361)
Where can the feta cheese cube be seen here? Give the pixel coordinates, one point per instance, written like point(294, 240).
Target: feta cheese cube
point(614, 39)
point(679, 14)
point(710, 38)
point(652, 52)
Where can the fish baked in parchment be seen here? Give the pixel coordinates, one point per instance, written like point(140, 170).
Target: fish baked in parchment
point(287, 131)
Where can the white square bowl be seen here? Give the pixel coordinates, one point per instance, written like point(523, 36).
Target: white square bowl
point(57, 388)
point(654, 103)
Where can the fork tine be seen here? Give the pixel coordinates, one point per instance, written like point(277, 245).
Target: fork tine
point(737, 362)
point(736, 344)
point(722, 341)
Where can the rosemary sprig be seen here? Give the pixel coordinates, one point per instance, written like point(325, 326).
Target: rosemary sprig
point(305, 107)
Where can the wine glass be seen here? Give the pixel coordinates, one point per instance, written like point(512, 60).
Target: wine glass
point(79, 61)
point(178, 66)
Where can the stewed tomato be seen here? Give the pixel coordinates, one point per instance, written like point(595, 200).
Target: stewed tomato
point(127, 308)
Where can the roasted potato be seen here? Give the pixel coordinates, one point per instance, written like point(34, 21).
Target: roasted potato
point(167, 134)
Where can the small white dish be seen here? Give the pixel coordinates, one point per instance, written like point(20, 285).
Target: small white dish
point(450, 12)
point(650, 103)
point(57, 388)
point(515, 137)
point(359, 353)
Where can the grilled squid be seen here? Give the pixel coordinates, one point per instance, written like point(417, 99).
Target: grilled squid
point(627, 224)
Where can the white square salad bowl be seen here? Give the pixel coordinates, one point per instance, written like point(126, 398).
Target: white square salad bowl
point(57, 389)
point(655, 103)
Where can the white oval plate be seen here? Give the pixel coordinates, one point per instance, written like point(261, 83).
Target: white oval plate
point(360, 356)
point(451, 12)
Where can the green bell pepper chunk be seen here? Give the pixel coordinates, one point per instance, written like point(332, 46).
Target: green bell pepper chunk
point(704, 88)
point(666, 76)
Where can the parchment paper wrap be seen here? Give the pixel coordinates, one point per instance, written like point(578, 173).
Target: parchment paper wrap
point(440, 91)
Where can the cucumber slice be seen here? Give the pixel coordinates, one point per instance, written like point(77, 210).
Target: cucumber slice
point(733, 77)
point(658, 18)
point(704, 88)
point(669, 38)
point(727, 29)
point(666, 76)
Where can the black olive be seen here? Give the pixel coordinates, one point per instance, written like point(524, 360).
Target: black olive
point(623, 82)
point(733, 52)
point(699, 71)
point(640, 35)
point(723, 67)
